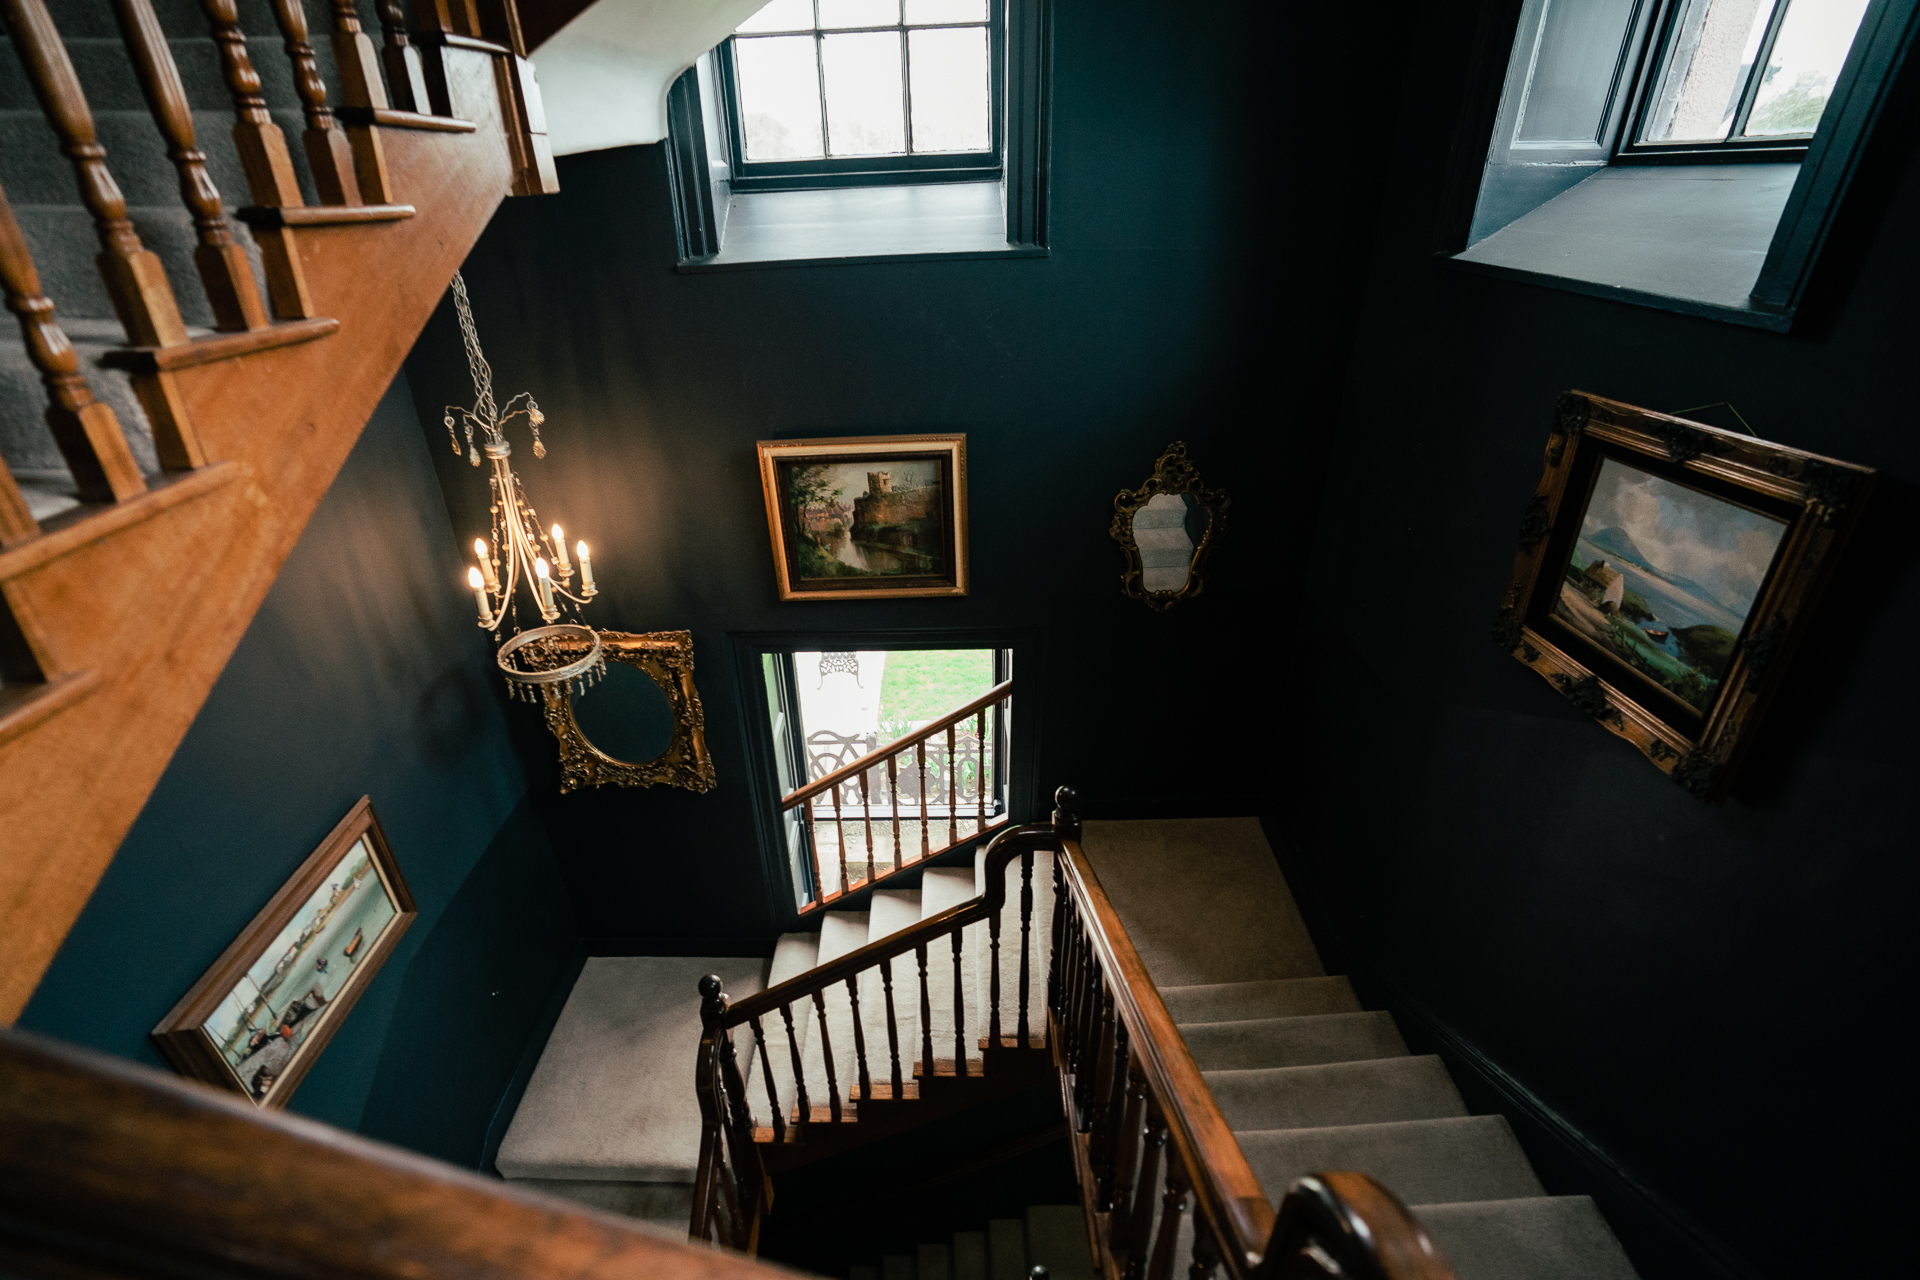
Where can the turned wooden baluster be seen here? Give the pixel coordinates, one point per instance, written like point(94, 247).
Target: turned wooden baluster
point(840, 837)
point(926, 1016)
point(1140, 1222)
point(813, 849)
point(135, 280)
point(804, 1107)
point(766, 1076)
point(893, 1029)
point(980, 768)
point(406, 80)
point(953, 791)
point(826, 1056)
point(219, 259)
point(328, 156)
point(1173, 1207)
point(993, 980)
point(859, 1040)
point(1128, 1151)
point(1111, 1118)
point(920, 748)
point(1026, 931)
point(893, 790)
point(1206, 1252)
point(264, 155)
point(866, 809)
point(959, 1011)
point(359, 62)
point(87, 432)
point(1056, 941)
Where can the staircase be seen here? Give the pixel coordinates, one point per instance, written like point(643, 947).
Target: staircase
point(222, 225)
point(1046, 1235)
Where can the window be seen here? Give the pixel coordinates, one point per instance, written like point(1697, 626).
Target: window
point(1684, 154)
point(824, 93)
point(1743, 76)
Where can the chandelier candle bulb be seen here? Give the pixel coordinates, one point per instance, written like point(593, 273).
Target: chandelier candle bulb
point(486, 565)
point(586, 569)
point(560, 552)
point(480, 595)
point(543, 585)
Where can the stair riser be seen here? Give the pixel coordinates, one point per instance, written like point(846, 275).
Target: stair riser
point(25, 441)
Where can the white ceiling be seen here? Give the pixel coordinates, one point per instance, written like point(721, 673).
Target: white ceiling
point(604, 76)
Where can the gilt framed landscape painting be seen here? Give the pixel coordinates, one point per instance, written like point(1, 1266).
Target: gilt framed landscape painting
point(258, 1019)
point(1665, 571)
point(866, 517)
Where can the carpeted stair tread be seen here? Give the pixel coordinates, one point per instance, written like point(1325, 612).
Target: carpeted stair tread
point(1339, 1093)
point(1293, 1042)
point(1006, 1249)
point(940, 889)
point(896, 1266)
point(662, 1207)
point(1421, 1161)
point(1273, 998)
point(1170, 879)
point(1039, 939)
point(840, 933)
point(933, 1262)
point(863, 1273)
point(1057, 1240)
point(611, 1098)
point(1538, 1238)
point(891, 911)
point(793, 955)
point(969, 1255)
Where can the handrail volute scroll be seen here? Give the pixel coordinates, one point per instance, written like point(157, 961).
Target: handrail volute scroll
point(1354, 1223)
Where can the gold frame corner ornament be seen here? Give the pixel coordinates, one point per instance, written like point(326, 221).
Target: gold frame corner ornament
point(1173, 473)
point(667, 658)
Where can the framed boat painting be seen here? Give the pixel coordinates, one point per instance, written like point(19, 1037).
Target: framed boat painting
point(259, 1018)
point(868, 517)
point(1665, 572)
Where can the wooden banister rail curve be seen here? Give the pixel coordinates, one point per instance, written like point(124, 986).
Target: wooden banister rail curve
point(1353, 1222)
point(112, 1169)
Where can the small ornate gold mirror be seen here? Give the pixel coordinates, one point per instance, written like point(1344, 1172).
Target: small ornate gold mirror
point(1166, 527)
point(645, 708)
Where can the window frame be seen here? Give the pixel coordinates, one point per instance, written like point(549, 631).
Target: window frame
point(899, 169)
point(1657, 49)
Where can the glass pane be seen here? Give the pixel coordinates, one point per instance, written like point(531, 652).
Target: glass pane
point(863, 94)
point(1578, 48)
point(946, 11)
point(950, 93)
point(859, 13)
point(1714, 45)
point(781, 15)
point(779, 97)
point(1167, 530)
point(1806, 59)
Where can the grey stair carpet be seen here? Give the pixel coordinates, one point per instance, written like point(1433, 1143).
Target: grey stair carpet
point(1308, 1081)
point(1053, 1236)
point(612, 1098)
point(662, 1207)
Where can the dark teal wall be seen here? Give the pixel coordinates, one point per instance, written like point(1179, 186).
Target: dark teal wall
point(361, 674)
point(1153, 320)
point(1712, 995)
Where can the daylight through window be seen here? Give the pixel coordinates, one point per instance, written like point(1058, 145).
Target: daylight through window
point(821, 79)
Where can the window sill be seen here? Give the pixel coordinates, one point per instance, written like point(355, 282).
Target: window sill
point(1686, 238)
point(961, 220)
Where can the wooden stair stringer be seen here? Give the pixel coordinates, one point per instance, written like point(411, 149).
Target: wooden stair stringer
point(155, 607)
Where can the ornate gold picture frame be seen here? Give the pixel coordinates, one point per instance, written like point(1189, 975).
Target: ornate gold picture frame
point(1666, 570)
point(1165, 529)
point(667, 658)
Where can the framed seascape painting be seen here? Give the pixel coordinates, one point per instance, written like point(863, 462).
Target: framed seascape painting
point(1664, 573)
point(260, 1016)
point(873, 516)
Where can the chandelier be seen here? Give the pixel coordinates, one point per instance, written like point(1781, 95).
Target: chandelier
point(521, 553)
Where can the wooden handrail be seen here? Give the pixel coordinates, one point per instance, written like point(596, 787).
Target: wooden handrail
point(826, 782)
point(108, 1168)
point(1006, 846)
point(1357, 1224)
point(1224, 1183)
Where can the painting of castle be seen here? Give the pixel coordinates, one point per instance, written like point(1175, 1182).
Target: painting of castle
point(1662, 577)
point(855, 521)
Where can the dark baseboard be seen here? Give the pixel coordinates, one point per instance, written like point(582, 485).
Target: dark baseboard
point(529, 1059)
point(650, 946)
point(1663, 1241)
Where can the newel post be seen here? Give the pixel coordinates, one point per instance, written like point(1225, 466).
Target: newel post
point(1066, 813)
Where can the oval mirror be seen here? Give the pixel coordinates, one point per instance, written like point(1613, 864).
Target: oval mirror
point(1165, 528)
point(625, 715)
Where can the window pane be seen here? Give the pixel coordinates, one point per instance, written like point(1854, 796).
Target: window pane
point(1571, 79)
point(779, 97)
point(1806, 59)
point(946, 11)
point(781, 15)
point(950, 93)
point(859, 13)
point(863, 94)
point(1714, 45)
